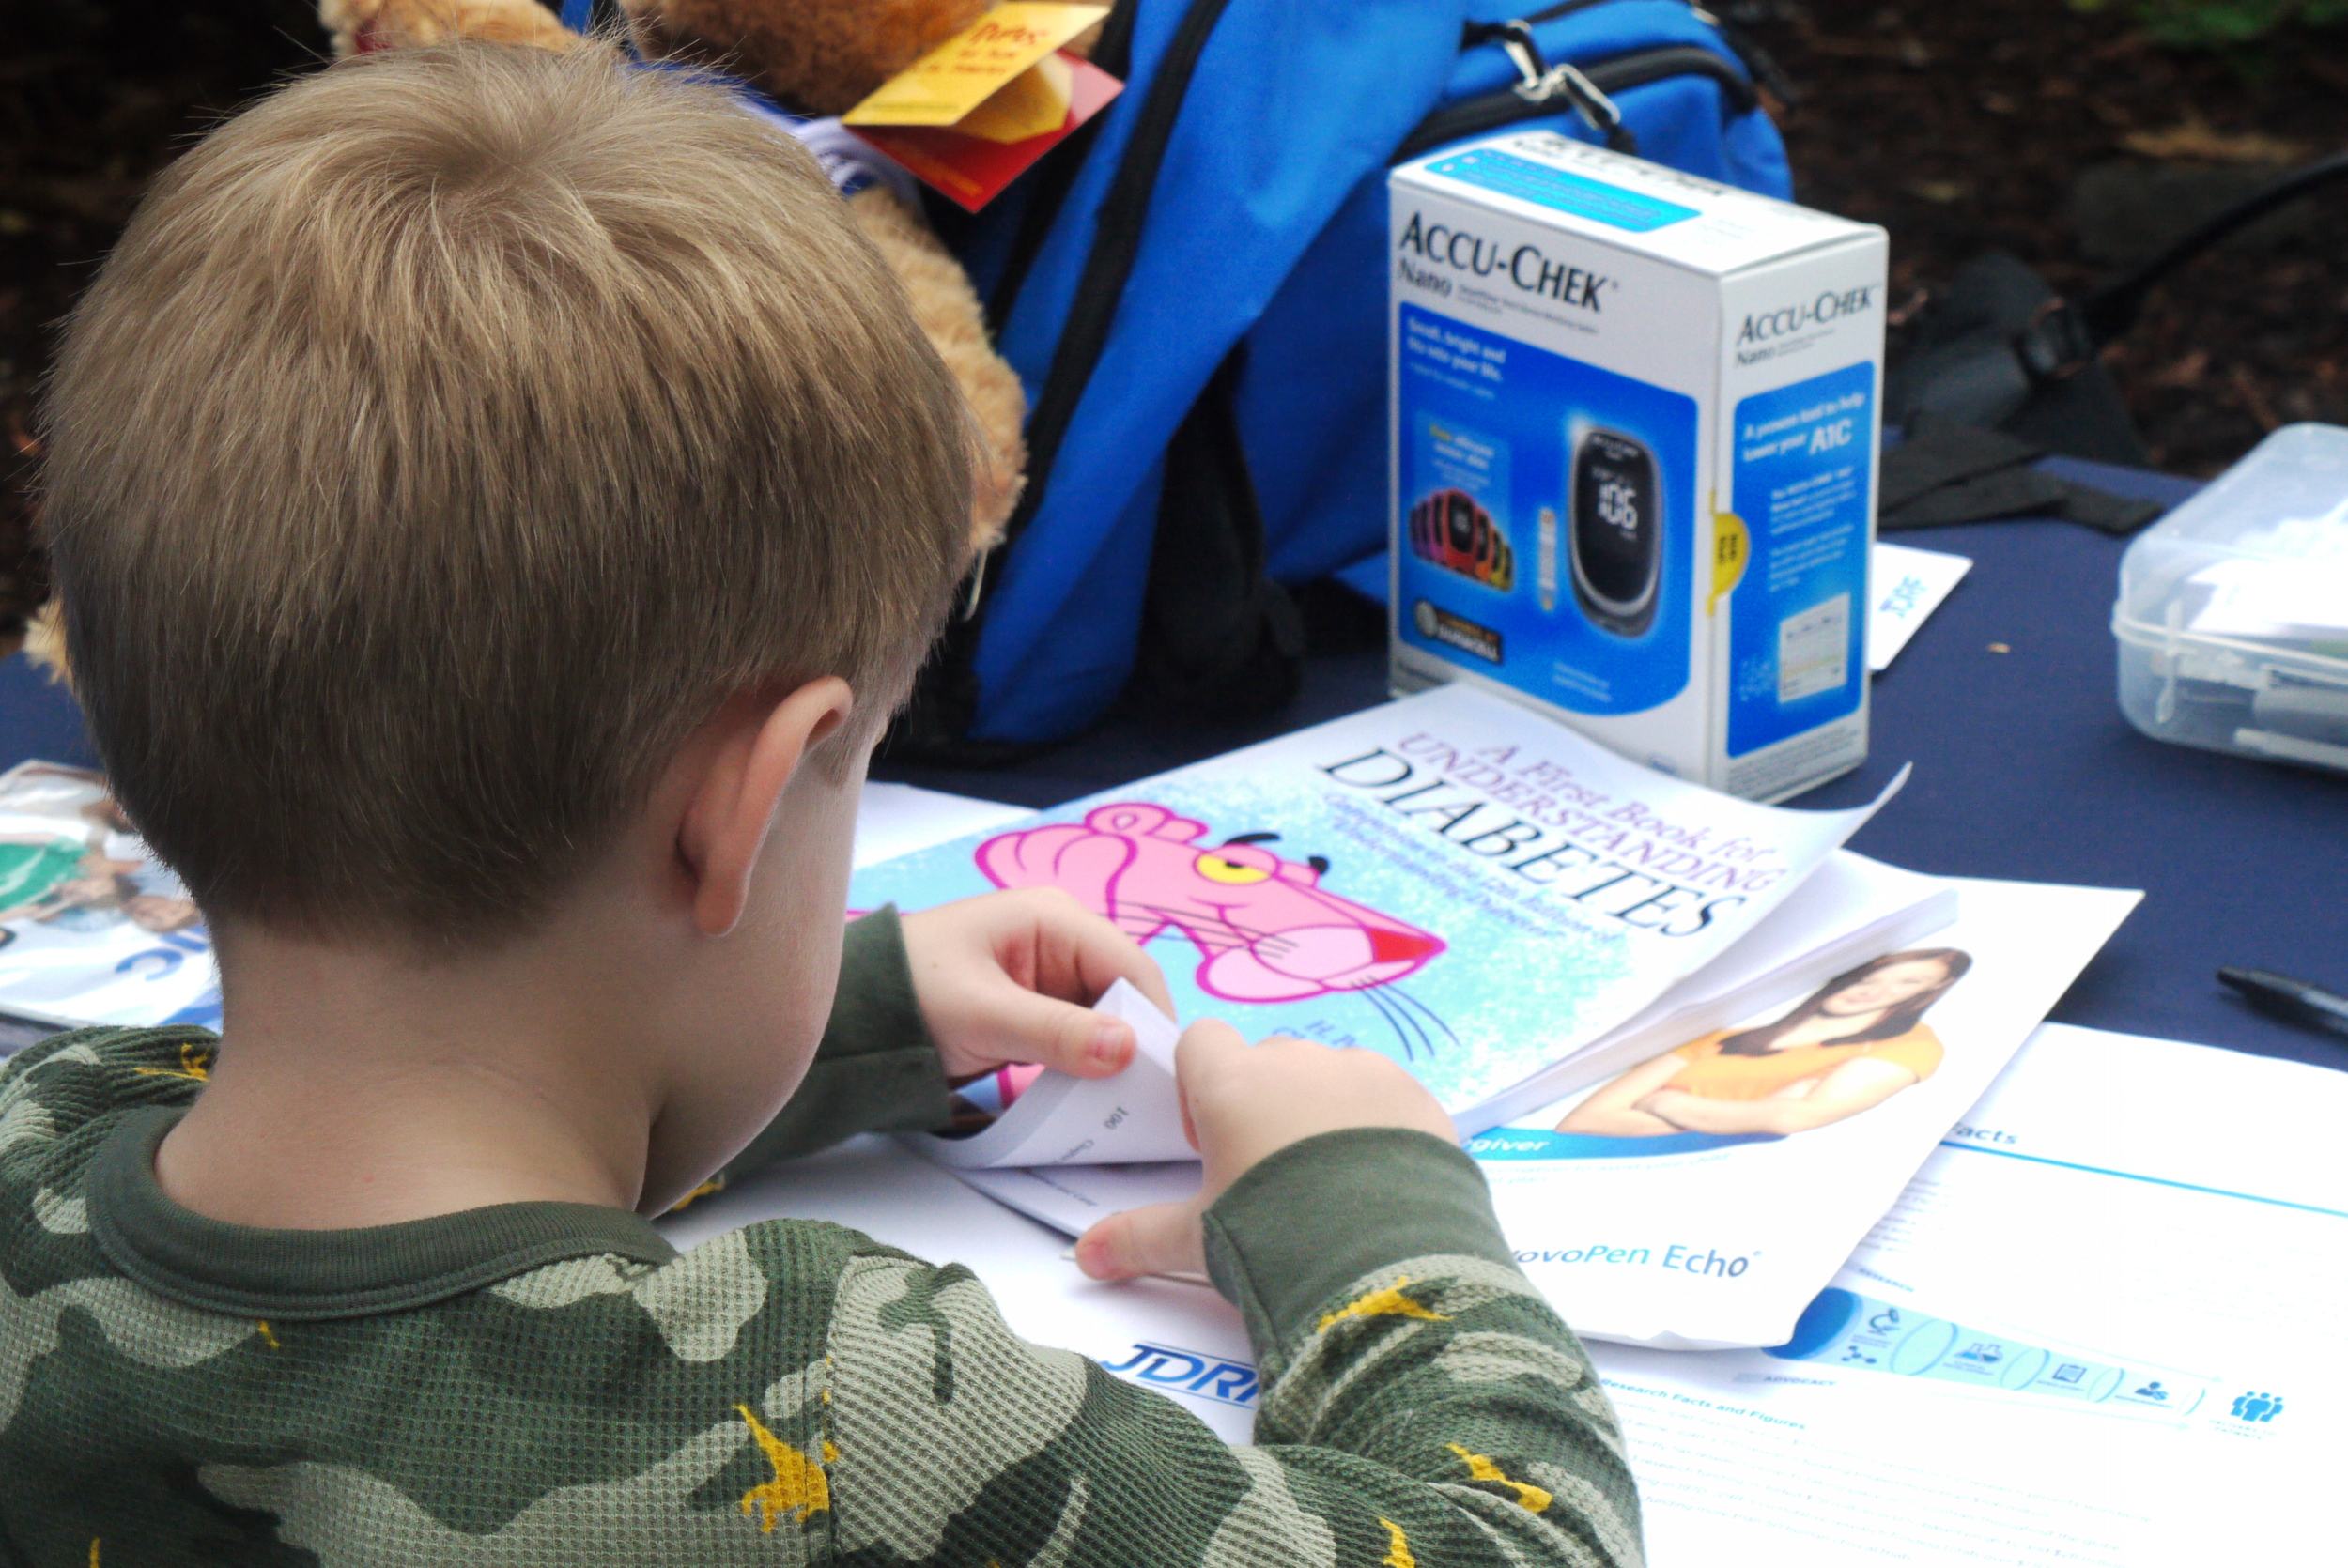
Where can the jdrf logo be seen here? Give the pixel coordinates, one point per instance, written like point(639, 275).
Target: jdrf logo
point(1163, 1366)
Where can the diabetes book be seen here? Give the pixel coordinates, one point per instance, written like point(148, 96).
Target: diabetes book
point(1502, 906)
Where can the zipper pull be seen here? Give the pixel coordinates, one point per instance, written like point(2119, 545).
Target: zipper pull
point(1542, 81)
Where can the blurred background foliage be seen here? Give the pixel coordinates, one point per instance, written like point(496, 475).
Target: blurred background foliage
point(2226, 24)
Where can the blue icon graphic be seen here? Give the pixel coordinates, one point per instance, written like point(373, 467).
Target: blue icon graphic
point(2257, 1406)
point(1846, 1329)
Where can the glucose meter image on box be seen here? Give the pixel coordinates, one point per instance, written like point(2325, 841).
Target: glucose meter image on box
point(1617, 539)
point(1449, 529)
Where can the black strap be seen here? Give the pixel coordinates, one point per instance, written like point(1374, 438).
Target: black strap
point(2113, 309)
point(1049, 185)
point(935, 724)
point(1960, 474)
point(1116, 245)
point(2067, 336)
point(1218, 636)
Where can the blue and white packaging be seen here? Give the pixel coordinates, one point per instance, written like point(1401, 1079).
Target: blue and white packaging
point(1634, 426)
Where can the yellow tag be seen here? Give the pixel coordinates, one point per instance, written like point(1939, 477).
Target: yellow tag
point(1030, 104)
point(1731, 547)
point(957, 76)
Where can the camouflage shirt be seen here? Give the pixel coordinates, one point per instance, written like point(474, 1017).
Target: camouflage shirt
point(543, 1384)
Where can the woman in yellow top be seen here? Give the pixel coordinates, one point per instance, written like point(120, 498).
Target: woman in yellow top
point(1855, 1043)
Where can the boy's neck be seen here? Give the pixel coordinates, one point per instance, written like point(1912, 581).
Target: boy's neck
point(358, 1087)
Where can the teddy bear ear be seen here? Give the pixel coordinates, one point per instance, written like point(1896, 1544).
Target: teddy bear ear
point(360, 26)
point(816, 56)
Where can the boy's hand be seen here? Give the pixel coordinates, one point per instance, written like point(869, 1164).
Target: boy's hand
point(1008, 977)
point(1240, 1103)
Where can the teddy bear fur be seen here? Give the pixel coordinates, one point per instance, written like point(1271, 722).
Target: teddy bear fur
point(813, 56)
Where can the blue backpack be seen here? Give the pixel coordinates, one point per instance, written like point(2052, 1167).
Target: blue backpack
point(1192, 288)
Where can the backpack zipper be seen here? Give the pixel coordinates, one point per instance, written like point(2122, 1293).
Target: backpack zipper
point(1637, 69)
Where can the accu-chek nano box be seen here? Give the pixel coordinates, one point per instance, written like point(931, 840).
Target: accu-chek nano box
point(1633, 441)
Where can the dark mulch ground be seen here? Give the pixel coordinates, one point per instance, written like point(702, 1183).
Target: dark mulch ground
point(1957, 126)
point(1960, 127)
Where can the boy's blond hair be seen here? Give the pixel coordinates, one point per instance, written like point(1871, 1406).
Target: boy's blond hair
point(448, 435)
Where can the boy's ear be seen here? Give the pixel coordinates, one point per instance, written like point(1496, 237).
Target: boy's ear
point(756, 743)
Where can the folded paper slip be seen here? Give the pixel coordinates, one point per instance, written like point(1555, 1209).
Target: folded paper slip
point(1063, 1120)
point(972, 115)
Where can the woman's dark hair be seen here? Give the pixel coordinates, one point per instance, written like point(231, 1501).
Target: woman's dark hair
point(1897, 1021)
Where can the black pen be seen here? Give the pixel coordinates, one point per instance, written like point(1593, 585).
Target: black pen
point(2285, 997)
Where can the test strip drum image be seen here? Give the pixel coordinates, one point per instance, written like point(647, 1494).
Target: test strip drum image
point(1617, 532)
point(1449, 530)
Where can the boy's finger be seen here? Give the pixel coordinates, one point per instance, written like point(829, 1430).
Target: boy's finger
point(1161, 1238)
point(1202, 1045)
point(1103, 955)
point(1031, 1027)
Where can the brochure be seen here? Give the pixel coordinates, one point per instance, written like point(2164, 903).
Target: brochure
point(1850, 910)
point(1719, 1159)
point(93, 927)
point(1701, 1196)
point(1471, 889)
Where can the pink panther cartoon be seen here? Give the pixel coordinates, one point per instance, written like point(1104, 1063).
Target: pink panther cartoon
point(1265, 929)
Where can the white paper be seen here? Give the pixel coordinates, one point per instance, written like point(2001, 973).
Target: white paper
point(1061, 1119)
point(1071, 1198)
point(2146, 1237)
point(1908, 584)
point(898, 818)
point(1721, 1238)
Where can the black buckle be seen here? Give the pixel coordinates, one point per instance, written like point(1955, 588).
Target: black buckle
point(2057, 345)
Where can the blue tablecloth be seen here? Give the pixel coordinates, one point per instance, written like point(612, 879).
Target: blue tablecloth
point(2024, 769)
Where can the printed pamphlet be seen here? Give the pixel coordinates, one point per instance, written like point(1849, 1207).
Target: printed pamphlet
point(93, 927)
point(1700, 1197)
point(1472, 889)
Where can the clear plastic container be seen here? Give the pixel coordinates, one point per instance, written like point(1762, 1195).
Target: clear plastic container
point(2232, 617)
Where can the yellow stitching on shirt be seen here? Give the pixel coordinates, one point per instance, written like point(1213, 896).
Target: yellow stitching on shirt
point(195, 1062)
point(798, 1488)
point(267, 1338)
point(1389, 1302)
point(715, 1184)
point(1529, 1497)
point(1397, 1547)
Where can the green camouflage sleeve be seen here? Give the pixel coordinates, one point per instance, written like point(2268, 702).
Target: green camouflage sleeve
point(1423, 1407)
point(876, 1070)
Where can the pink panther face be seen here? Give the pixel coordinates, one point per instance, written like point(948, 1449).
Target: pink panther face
point(1265, 930)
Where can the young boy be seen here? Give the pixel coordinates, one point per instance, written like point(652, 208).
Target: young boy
point(496, 500)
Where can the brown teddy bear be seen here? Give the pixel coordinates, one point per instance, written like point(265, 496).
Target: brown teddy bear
point(814, 57)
